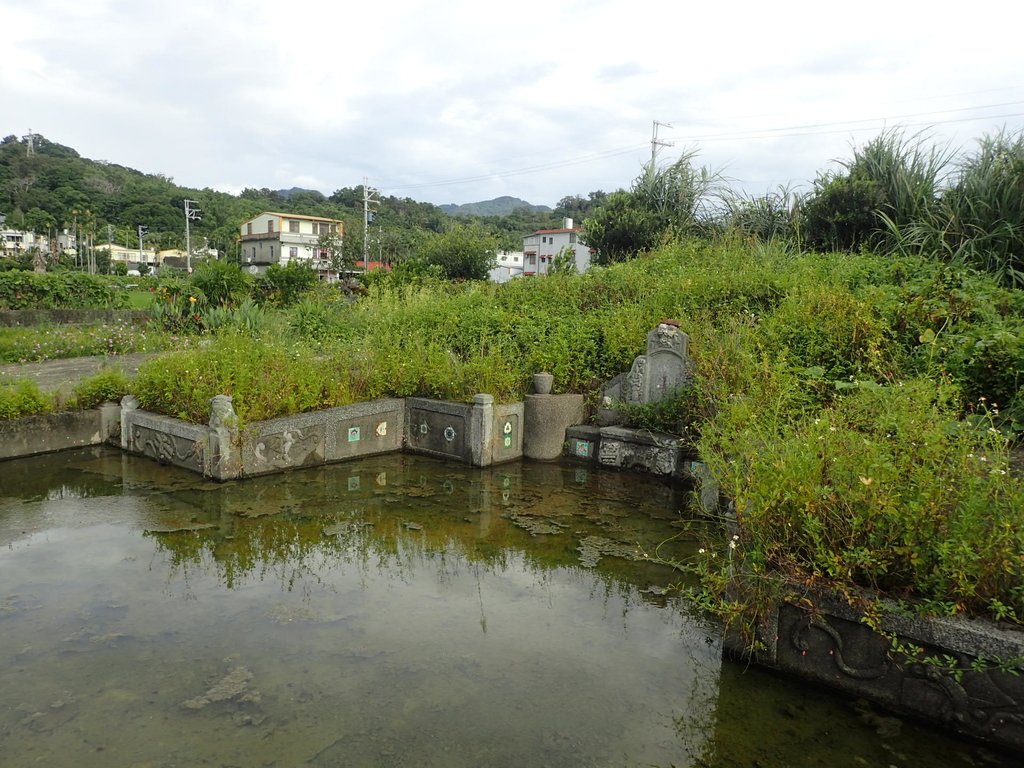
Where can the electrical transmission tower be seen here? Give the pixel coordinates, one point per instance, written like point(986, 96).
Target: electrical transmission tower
point(30, 142)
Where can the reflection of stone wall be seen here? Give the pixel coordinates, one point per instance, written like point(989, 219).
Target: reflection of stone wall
point(833, 647)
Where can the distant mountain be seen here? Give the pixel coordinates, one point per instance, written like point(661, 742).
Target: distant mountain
point(499, 206)
point(287, 194)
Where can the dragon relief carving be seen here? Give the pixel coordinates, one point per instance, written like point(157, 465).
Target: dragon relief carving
point(988, 705)
point(166, 448)
point(290, 448)
point(799, 638)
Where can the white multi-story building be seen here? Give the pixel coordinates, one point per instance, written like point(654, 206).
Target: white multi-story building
point(509, 265)
point(541, 248)
point(280, 238)
point(15, 241)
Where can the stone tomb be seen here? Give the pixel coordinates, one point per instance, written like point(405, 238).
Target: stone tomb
point(664, 369)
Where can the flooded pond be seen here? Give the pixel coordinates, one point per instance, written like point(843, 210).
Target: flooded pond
point(395, 611)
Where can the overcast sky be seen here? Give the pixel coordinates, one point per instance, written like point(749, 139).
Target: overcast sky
point(452, 101)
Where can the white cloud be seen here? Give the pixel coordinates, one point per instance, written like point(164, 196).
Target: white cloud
point(252, 93)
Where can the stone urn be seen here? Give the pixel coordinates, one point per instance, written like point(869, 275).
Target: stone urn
point(542, 383)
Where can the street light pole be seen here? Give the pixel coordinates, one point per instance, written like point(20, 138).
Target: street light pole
point(142, 232)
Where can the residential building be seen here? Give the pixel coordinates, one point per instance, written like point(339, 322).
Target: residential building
point(280, 238)
point(541, 248)
point(509, 265)
point(15, 241)
point(132, 258)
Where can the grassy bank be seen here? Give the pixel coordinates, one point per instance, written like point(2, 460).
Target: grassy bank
point(856, 408)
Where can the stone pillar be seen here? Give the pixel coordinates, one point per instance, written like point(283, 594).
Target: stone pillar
point(481, 429)
point(224, 457)
point(545, 420)
point(129, 403)
point(110, 422)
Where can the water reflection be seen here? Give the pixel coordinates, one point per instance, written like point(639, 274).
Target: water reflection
point(394, 611)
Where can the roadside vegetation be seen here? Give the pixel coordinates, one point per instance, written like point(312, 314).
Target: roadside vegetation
point(859, 350)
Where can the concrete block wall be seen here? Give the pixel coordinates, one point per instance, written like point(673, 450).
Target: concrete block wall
point(49, 432)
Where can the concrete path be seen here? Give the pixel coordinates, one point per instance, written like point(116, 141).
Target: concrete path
point(63, 375)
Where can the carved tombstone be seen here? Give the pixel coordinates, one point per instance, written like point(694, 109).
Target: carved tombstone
point(664, 369)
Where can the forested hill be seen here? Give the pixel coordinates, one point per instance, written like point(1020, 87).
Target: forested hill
point(56, 188)
point(499, 206)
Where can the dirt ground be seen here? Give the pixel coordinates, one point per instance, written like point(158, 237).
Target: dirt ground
point(63, 375)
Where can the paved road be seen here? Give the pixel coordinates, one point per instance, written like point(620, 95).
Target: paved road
point(63, 375)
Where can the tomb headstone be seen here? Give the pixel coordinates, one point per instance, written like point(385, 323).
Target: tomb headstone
point(665, 368)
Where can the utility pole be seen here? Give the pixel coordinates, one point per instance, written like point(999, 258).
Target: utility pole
point(110, 248)
point(371, 197)
point(142, 232)
point(655, 143)
point(191, 214)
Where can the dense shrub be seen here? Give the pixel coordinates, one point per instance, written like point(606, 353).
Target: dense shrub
point(283, 286)
point(265, 379)
point(886, 489)
point(57, 290)
point(221, 282)
point(23, 398)
point(109, 385)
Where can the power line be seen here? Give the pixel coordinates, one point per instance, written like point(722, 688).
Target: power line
point(743, 134)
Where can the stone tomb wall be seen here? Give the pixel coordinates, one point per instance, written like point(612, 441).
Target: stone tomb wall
point(832, 646)
point(321, 437)
point(480, 433)
point(167, 440)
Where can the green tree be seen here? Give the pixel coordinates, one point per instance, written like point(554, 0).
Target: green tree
point(332, 246)
point(841, 212)
point(284, 286)
point(39, 221)
point(464, 252)
point(620, 229)
point(677, 200)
